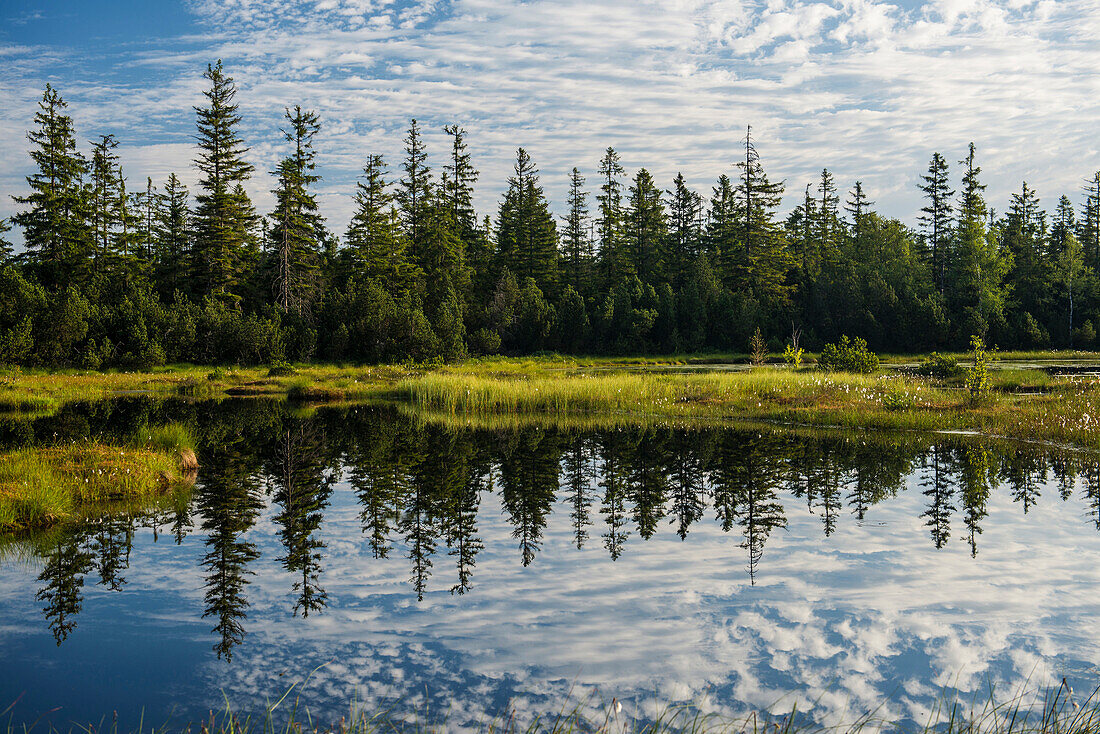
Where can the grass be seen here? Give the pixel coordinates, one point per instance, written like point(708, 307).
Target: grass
point(1066, 412)
point(1026, 404)
point(45, 485)
point(1054, 711)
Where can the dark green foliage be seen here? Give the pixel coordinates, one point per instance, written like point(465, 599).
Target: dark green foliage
point(940, 365)
point(54, 222)
point(113, 275)
point(527, 237)
point(848, 356)
point(224, 218)
point(297, 231)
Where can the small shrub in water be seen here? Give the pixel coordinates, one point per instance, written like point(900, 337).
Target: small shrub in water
point(940, 365)
point(977, 377)
point(758, 349)
point(848, 356)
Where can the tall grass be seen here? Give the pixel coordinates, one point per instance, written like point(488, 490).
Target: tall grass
point(644, 392)
point(1053, 711)
point(39, 486)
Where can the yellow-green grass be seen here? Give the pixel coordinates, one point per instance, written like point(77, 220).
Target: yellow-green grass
point(44, 485)
point(1068, 414)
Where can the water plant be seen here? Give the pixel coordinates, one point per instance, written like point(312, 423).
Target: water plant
point(977, 377)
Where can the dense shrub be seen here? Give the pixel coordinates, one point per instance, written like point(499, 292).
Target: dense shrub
point(940, 365)
point(848, 356)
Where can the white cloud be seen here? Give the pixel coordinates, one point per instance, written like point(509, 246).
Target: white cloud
point(867, 88)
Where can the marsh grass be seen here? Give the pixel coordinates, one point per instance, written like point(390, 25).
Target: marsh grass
point(46, 484)
point(39, 486)
point(1053, 711)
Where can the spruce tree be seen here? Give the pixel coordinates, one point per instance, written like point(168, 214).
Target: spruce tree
point(459, 177)
point(1025, 238)
point(721, 224)
point(54, 222)
point(173, 238)
point(223, 216)
point(758, 260)
point(297, 230)
point(684, 241)
point(936, 217)
point(576, 245)
point(645, 228)
point(527, 239)
point(827, 225)
point(7, 250)
point(374, 238)
point(104, 202)
point(977, 294)
point(609, 224)
point(1089, 225)
point(858, 206)
point(414, 192)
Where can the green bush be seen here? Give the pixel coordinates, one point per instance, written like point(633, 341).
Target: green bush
point(281, 369)
point(848, 356)
point(940, 365)
point(977, 377)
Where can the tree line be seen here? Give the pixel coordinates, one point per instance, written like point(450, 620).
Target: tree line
point(119, 275)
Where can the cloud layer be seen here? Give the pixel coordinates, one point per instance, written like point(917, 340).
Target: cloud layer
point(869, 89)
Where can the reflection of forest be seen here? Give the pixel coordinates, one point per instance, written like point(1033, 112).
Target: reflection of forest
point(420, 485)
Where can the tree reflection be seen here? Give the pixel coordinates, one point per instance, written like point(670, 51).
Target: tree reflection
point(67, 562)
point(420, 490)
point(302, 489)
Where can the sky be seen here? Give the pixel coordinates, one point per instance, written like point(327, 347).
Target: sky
point(867, 89)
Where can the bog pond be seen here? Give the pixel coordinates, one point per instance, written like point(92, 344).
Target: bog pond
point(427, 564)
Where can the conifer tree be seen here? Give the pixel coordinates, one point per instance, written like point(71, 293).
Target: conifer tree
point(459, 177)
point(609, 224)
point(720, 229)
point(1025, 235)
point(105, 202)
point(223, 216)
point(7, 250)
point(936, 217)
point(858, 206)
point(977, 292)
point(414, 191)
point(1089, 225)
point(828, 226)
point(645, 228)
point(54, 221)
point(373, 235)
point(576, 245)
point(527, 239)
point(297, 230)
point(684, 241)
point(173, 237)
point(758, 260)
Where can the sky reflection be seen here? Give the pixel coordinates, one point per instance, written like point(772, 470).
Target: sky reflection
point(798, 600)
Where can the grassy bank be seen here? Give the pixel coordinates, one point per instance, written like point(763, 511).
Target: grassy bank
point(44, 485)
point(1066, 411)
point(1055, 711)
point(1026, 404)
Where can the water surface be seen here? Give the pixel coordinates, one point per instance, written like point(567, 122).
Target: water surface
point(464, 571)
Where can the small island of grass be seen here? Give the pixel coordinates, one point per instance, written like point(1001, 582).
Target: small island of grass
point(43, 485)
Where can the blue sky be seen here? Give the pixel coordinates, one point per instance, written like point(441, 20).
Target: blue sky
point(869, 89)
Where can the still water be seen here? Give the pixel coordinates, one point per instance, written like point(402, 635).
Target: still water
point(460, 572)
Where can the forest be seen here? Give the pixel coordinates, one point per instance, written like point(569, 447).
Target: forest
point(114, 274)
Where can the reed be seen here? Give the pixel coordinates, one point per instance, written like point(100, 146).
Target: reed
point(1053, 711)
